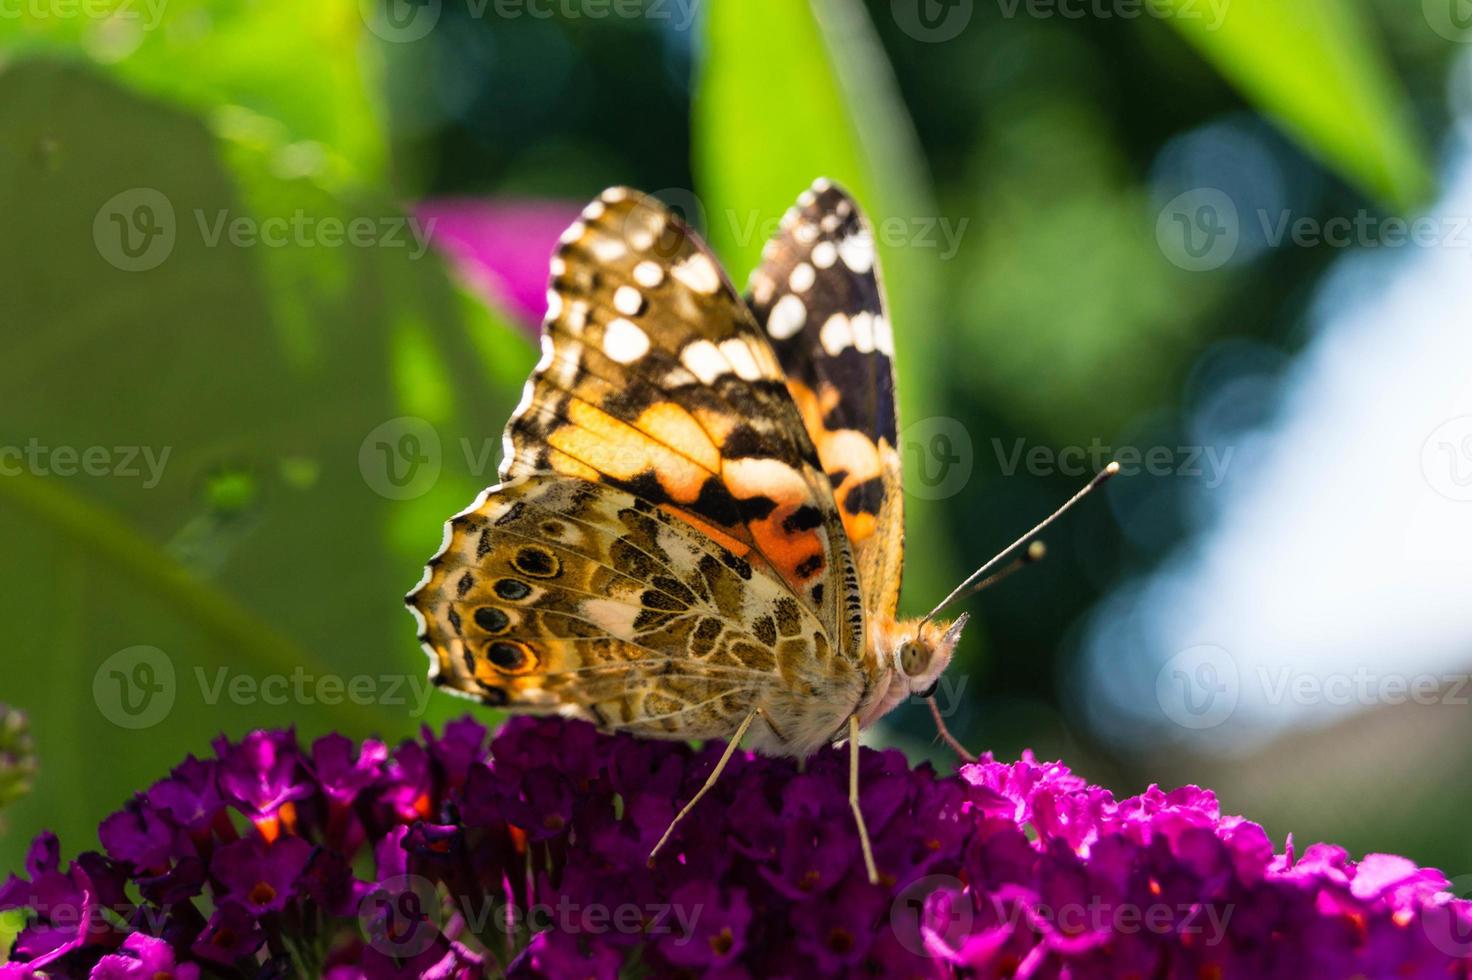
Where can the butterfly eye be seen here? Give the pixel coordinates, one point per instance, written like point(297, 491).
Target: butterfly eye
point(913, 658)
point(929, 692)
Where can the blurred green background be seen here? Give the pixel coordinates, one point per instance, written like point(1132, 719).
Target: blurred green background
point(1024, 150)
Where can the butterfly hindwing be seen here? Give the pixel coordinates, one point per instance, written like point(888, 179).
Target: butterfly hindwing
point(554, 594)
point(819, 297)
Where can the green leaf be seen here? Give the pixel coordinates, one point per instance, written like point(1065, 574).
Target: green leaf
point(821, 101)
point(1316, 66)
point(235, 60)
point(170, 297)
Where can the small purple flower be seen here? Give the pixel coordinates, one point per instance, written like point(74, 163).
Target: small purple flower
point(63, 905)
point(143, 958)
point(231, 935)
point(709, 926)
point(261, 877)
point(263, 775)
point(343, 772)
point(558, 954)
point(139, 835)
point(189, 796)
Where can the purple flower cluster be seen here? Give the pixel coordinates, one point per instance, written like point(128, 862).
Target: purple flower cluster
point(458, 856)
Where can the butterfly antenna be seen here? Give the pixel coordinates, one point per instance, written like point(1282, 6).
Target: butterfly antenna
point(978, 580)
point(1035, 553)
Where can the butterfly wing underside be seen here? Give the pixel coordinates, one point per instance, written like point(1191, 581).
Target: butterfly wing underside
point(665, 552)
point(818, 295)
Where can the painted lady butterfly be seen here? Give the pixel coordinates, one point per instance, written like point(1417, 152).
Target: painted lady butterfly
point(700, 524)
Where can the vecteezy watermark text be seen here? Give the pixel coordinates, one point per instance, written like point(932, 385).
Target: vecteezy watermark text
point(124, 462)
point(1213, 13)
point(1207, 463)
point(1201, 687)
point(137, 688)
point(137, 229)
point(402, 916)
point(403, 22)
point(1203, 229)
point(147, 12)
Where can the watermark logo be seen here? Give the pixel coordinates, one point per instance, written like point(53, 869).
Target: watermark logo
point(401, 458)
point(1199, 230)
point(941, 894)
point(1446, 459)
point(135, 229)
point(135, 688)
point(940, 457)
point(932, 21)
point(1452, 19)
point(400, 916)
point(1198, 688)
point(400, 21)
point(1446, 929)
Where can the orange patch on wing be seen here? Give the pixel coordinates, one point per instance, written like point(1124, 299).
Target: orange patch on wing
point(779, 482)
point(619, 451)
point(567, 466)
point(846, 451)
point(677, 428)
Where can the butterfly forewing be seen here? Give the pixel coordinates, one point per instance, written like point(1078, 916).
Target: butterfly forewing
point(818, 296)
point(656, 379)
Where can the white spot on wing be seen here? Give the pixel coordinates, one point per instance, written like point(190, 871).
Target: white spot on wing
point(742, 361)
point(836, 335)
point(613, 617)
point(825, 254)
point(624, 342)
point(648, 274)
point(577, 317)
point(787, 317)
point(564, 370)
point(628, 301)
point(802, 278)
point(862, 325)
point(699, 273)
point(703, 360)
point(762, 287)
point(857, 252)
point(574, 232)
point(607, 250)
point(883, 336)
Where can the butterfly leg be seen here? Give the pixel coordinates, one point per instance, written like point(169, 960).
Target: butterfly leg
point(710, 781)
point(853, 798)
point(945, 733)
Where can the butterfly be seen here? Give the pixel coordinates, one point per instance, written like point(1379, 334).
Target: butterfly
point(699, 529)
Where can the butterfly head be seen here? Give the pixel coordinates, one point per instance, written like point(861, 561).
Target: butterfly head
point(924, 651)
